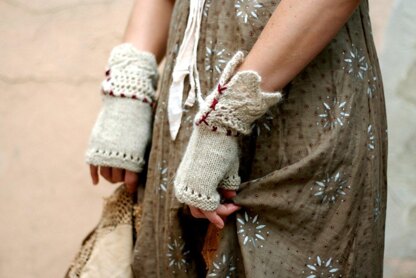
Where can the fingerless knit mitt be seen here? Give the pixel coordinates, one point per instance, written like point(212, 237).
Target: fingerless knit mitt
point(122, 131)
point(211, 158)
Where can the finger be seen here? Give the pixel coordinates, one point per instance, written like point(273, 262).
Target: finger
point(117, 174)
point(131, 179)
point(228, 194)
point(94, 174)
point(196, 212)
point(105, 172)
point(214, 218)
point(227, 209)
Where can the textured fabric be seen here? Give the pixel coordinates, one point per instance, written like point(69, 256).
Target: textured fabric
point(313, 172)
point(123, 127)
point(107, 251)
point(212, 151)
point(209, 158)
point(237, 101)
point(185, 66)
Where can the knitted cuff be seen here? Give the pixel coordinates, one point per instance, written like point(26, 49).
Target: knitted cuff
point(237, 102)
point(120, 134)
point(123, 128)
point(232, 180)
point(208, 158)
point(131, 73)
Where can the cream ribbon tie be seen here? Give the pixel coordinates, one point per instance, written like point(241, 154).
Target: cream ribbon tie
point(186, 65)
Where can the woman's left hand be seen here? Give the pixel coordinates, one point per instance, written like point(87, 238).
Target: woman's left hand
point(218, 216)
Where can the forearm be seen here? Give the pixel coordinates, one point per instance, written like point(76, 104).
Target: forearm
point(148, 26)
point(296, 32)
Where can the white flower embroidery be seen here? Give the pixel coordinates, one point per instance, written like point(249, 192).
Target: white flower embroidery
point(223, 267)
point(206, 7)
point(372, 86)
point(216, 57)
point(355, 62)
point(334, 113)
point(163, 171)
point(251, 230)
point(247, 9)
point(265, 122)
point(177, 255)
point(331, 188)
point(371, 138)
point(321, 268)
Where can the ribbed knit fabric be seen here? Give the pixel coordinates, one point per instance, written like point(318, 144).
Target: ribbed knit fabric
point(123, 128)
point(211, 158)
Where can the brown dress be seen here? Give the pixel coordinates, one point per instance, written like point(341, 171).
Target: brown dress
point(314, 185)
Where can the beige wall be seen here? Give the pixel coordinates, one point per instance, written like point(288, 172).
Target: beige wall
point(53, 56)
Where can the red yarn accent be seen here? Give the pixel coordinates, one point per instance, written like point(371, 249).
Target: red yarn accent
point(122, 95)
point(203, 118)
point(133, 97)
point(221, 88)
point(214, 103)
point(214, 128)
point(111, 93)
point(107, 72)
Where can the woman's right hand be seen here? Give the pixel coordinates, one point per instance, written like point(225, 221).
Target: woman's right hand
point(115, 175)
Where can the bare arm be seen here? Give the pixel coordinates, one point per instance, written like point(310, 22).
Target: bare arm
point(296, 32)
point(147, 30)
point(149, 25)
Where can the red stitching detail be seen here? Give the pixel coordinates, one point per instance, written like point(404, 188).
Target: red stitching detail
point(107, 73)
point(214, 103)
point(203, 118)
point(221, 88)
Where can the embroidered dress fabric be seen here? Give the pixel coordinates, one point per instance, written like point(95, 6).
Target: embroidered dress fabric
point(313, 171)
point(313, 193)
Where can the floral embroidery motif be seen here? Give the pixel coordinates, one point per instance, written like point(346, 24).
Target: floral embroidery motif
point(264, 123)
point(334, 113)
point(372, 86)
point(163, 170)
point(247, 9)
point(251, 230)
point(216, 57)
point(321, 268)
point(355, 63)
point(331, 188)
point(223, 267)
point(177, 255)
point(206, 7)
point(371, 138)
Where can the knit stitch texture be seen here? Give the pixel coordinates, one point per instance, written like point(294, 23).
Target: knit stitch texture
point(211, 159)
point(123, 128)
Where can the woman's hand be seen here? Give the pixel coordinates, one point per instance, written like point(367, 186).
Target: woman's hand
point(217, 216)
point(115, 175)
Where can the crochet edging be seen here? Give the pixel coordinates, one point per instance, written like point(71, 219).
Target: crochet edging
point(111, 158)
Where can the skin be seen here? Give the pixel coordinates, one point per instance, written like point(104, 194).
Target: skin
point(147, 30)
point(296, 32)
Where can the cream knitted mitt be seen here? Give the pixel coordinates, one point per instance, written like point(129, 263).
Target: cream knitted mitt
point(123, 128)
point(211, 158)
